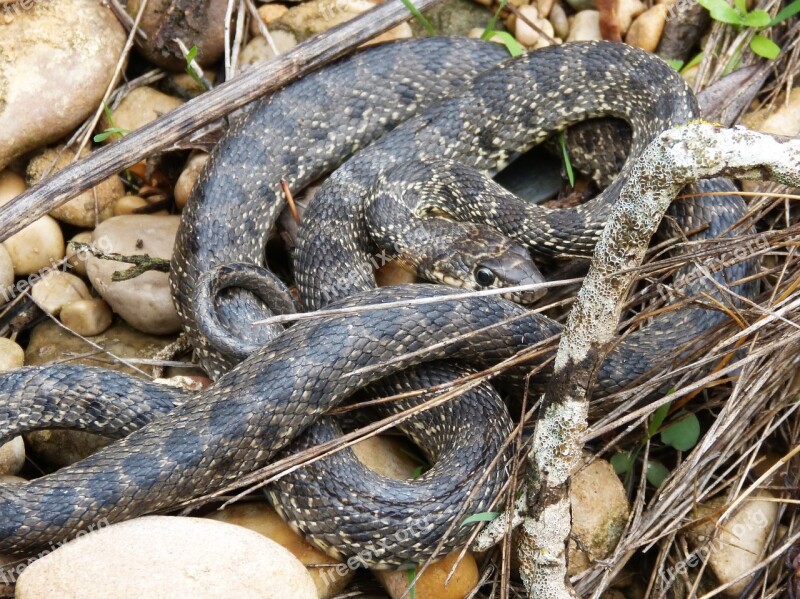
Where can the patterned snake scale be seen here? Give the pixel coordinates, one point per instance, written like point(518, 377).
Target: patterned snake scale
point(255, 410)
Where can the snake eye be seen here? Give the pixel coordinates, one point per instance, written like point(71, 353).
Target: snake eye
point(484, 276)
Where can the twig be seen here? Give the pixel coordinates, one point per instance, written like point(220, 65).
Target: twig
point(290, 200)
point(679, 156)
point(142, 263)
point(199, 112)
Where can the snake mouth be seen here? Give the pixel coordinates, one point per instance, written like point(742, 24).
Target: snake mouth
point(516, 268)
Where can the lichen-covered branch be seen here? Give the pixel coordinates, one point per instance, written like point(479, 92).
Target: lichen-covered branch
point(678, 157)
point(142, 263)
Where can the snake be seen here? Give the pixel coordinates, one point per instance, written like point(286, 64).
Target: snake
point(474, 107)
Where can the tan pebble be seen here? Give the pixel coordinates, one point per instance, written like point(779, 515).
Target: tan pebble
point(261, 518)
point(431, 583)
point(315, 16)
point(56, 288)
point(527, 35)
point(129, 205)
point(258, 50)
point(6, 275)
point(88, 208)
point(269, 13)
point(141, 106)
point(87, 317)
point(601, 508)
point(11, 355)
point(401, 32)
point(783, 118)
point(77, 259)
point(544, 7)
point(690, 76)
point(37, 246)
point(739, 542)
point(57, 60)
point(558, 19)
point(394, 273)
point(187, 84)
point(627, 11)
point(645, 31)
point(386, 456)
point(10, 479)
point(519, 3)
point(167, 556)
point(185, 183)
point(12, 456)
point(585, 26)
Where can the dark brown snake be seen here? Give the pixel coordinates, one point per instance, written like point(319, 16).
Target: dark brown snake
point(256, 409)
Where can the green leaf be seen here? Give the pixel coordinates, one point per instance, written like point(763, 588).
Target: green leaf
point(411, 574)
point(756, 19)
point(657, 419)
point(763, 46)
point(512, 45)
point(721, 11)
point(787, 13)
point(675, 63)
point(694, 61)
point(191, 54)
point(480, 517)
point(116, 132)
point(420, 17)
point(682, 434)
point(657, 473)
point(567, 163)
point(417, 472)
point(622, 462)
point(741, 6)
point(487, 33)
point(101, 137)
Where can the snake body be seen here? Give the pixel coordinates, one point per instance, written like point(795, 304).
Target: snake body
point(254, 410)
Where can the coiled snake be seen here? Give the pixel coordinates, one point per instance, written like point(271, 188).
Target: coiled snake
point(239, 423)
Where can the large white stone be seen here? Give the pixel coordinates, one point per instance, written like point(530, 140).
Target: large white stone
point(168, 557)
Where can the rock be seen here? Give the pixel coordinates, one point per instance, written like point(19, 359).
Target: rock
point(91, 206)
point(56, 289)
point(6, 275)
point(627, 11)
point(430, 584)
point(139, 107)
point(386, 456)
point(394, 273)
point(12, 456)
point(270, 13)
point(258, 50)
point(401, 32)
point(185, 183)
point(145, 302)
point(261, 518)
point(585, 26)
point(739, 543)
point(58, 58)
point(77, 259)
point(527, 35)
point(781, 119)
point(38, 246)
point(88, 317)
point(600, 510)
point(645, 31)
point(454, 17)
point(129, 205)
point(316, 16)
point(48, 343)
point(165, 557)
point(11, 355)
point(195, 23)
point(558, 19)
point(544, 7)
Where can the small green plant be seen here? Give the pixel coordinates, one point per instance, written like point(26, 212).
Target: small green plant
point(738, 16)
point(567, 164)
point(680, 434)
point(480, 517)
point(113, 131)
point(512, 45)
point(420, 17)
point(411, 574)
point(190, 69)
point(682, 67)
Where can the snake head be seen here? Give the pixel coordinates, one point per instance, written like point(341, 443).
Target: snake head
point(477, 257)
